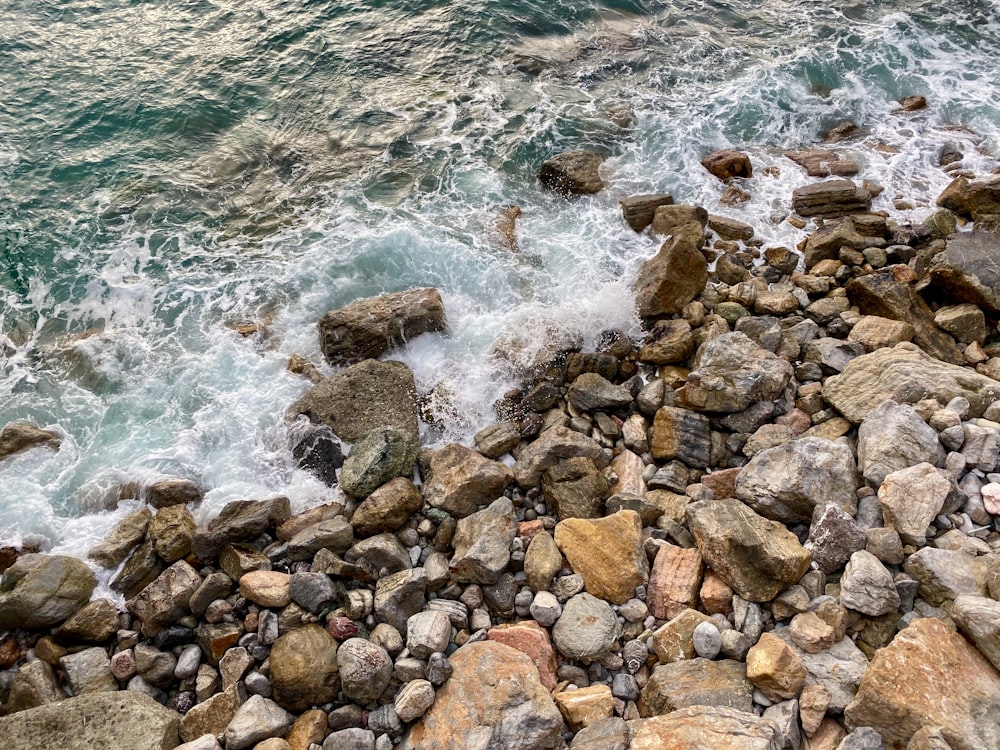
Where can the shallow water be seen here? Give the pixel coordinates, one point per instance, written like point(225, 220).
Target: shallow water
point(168, 169)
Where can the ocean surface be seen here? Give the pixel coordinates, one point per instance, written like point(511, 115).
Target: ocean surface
point(172, 168)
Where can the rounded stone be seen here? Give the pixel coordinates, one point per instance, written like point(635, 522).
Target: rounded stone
point(304, 670)
point(587, 629)
point(707, 640)
point(365, 670)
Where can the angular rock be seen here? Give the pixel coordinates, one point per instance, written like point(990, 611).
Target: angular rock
point(585, 706)
point(894, 437)
point(972, 198)
point(166, 599)
point(360, 398)
point(376, 458)
point(838, 669)
point(674, 641)
point(825, 243)
point(549, 448)
point(35, 684)
point(368, 328)
point(700, 727)
point(682, 434)
point(587, 629)
point(89, 671)
point(574, 488)
point(905, 374)
point(638, 210)
point(239, 521)
point(730, 372)
point(542, 561)
point(831, 198)
point(967, 270)
point(211, 716)
point(727, 164)
point(304, 670)
point(696, 682)
point(20, 436)
point(833, 537)
point(365, 670)
point(399, 595)
point(482, 543)
point(875, 332)
point(493, 700)
point(39, 591)
point(256, 720)
point(460, 480)
point(95, 622)
point(592, 392)
point(979, 618)
point(497, 440)
point(911, 499)
point(757, 557)
point(607, 552)
point(171, 531)
point(787, 482)
point(666, 219)
point(334, 534)
point(867, 586)
point(675, 275)
point(810, 633)
point(943, 574)
point(573, 173)
point(172, 491)
point(929, 675)
point(532, 641)
point(316, 449)
point(965, 322)
point(122, 539)
point(775, 668)
point(674, 582)
point(821, 162)
point(122, 720)
point(669, 342)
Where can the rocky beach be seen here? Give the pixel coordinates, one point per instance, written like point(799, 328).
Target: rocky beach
point(767, 523)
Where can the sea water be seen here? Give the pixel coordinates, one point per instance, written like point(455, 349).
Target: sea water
point(170, 169)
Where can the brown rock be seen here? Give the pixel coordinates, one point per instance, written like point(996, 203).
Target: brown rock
point(912, 103)
point(574, 488)
point(388, 508)
point(813, 703)
point(96, 622)
point(542, 561)
point(141, 569)
point(821, 162)
point(673, 641)
point(211, 716)
point(462, 481)
point(775, 668)
point(715, 594)
point(607, 553)
point(171, 531)
point(696, 682)
point(638, 210)
point(825, 243)
point(236, 560)
point(675, 275)
point(573, 173)
point(549, 448)
point(34, 685)
point(875, 332)
point(727, 164)
point(828, 736)
point(831, 198)
point(368, 328)
point(165, 599)
point(239, 521)
point(629, 468)
point(674, 581)
point(972, 198)
point(667, 219)
point(532, 640)
point(122, 539)
point(309, 729)
point(20, 436)
point(682, 434)
point(585, 706)
point(929, 675)
point(810, 633)
point(669, 342)
point(173, 491)
point(268, 588)
point(304, 668)
point(968, 271)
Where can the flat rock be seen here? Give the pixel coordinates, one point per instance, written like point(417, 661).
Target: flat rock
point(126, 535)
point(121, 720)
point(905, 374)
point(929, 675)
point(728, 163)
point(821, 162)
point(757, 557)
point(532, 640)
point(787, 482)
point(700, 727)
point(638, 210)
point(173, 491)
point(894, 437)
point(607, 552)
point(493, 700)
point(943, 574)
point(696, 682)
point(593, 392)
point(460, 480)
point(875, 332)
point(363, 397)
point(674, 582)
point(368, 328)
point(731, 372)
point(573, 172)
point(968, 270)
point(675, 275)
point(39, 591)
point(20, 436)
point(549, 448)
point(831, 198)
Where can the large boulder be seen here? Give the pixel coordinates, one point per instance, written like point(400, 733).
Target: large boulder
point(368, 328)
point(573, 173)
point(20, 436)
point(494, 699)
point(929, 676)
point(969, 269)
point(361, 398)
point(675, 275)
point(379, 456)
point(304, 670)
point(905, 374)
point(166, 598)
point(757, 557)
point(972, 198)
point(787, 482)
point(120, 720)
point(831, 198)
point(731, 372)
point(39, 591)
point(894, 437)
point(638, 210)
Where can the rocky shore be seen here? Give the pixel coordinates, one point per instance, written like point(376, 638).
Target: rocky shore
point(770, 523)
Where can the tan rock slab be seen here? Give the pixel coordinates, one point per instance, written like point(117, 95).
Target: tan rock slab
point(268, 588)
point(310, 728)
point(813, 703)
point(607, 553)
point(583, 707)
point(674, 581)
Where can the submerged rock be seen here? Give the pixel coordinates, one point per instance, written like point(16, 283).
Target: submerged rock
point(573, 173)
point(20, 436)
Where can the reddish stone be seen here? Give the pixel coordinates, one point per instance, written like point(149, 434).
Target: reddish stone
point(828, 737)
point(341, 628)
point(10, 652)
point(722, 483)
point(530, 639)
point(674, 582)
point(716, 596)
point(528, 529)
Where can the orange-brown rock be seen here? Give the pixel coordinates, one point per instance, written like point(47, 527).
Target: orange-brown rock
point(722, 482)
point(827, 736)
point(583, 707)
point(310, 728)
point(673, 641)
point(716, 596)
point(703, 727)
point(628, 467)
point(674, 581)
point(607, 553)
point(813, 702)
point(532, 640)
point(775, 668)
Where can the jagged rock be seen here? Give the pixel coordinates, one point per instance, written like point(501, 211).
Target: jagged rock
point(730, 229)
point(171, 531)
point(911, 499)
point(141, 569)
point(832, 355)
point(316, 449)
point(969, 269)
point(894, 437)
point(493, 700)
point(700, 727)
point(638, 210)
point(20, 436)
point(675, 275)
point(542, 561)
point(674, 641)
point(929, 676)
point(387, 508)
point(882, 293)
point(674, 582)
point(727, 164)
point(666, 219)
point(607, 552)
point(834, 536)
point(867, 586)
point(368, 328)
point(825, 243)
point(585, 706)
point(482, 543)
point(669, 342)
point(122, 720)
point(304, 668)
point(821, 162)
point(39, 591)
point(730, 372)
point(552, 446)
point(757, 557)
point(460, 480)
point(239, 521)
point(682, 434)
point(592, 392)
point(696, 682)
point(376, 458)
point(787, 482)
point(35, 684)
point(574, 488)
point(172, 491)
point(775, 668)
point(497, 440)
point(399, 595)
point(979, 618)
point(363, 397)
point(965, 322)
point(587, 629)
point(831, 198)
point(944, 574)
point(905, 374)
point(122, 539)
point(95, 622)
point(972, 198)
point(532, 640)
point(165, 599)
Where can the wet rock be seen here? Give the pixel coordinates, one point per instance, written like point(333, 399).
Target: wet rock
point(215, 639)
point(172, 491)
point(360, 398)
point(894, 437)
point(493, 700)
point(317, 450)
point(460, 480)
point(592, 392)
point(787, 482)
point(929, 675)
point(701, 727)
point(825, 243)
point(573, 173)
point(668, 342)
point(696, 682)
point(968, 269)
point(757, 557)
point(256, 720)
point(121, 720)
point(171, 531)
point(587, 629)
point(334, 534)
point(667, 219)
point(21, 436)
point(730, 372)
point(727, 164)
point(638, 210)
point(972, 198)
point(905, 374)
point(607, 552)
point(239, 521)
point(365, 670)
point(675, 275)
point(552, 446)
point(368, 328)
point(122, 539)
point(821, 162)
point(497, 440)
point(166, 599)
point(376, 458)
point(831, 198)
point(304, 669)
point(39, 591)
point(95, 622)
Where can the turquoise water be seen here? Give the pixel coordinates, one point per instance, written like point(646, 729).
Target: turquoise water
point(169, 169)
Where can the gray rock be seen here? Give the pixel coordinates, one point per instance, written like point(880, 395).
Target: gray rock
point(911, 498)
point(968, 269)
point(110, 721)
point(707, 640)
point(34, 685)
point(705, 727)
point(39, 591)
point(833, 537)
point(862, 738)
point(239, 521)
point(313, 591)
point(165, 599)
point(188, 662)
point(591, 392)
point(894, 437)
point(784, 717)
point(400, 595)
point(365, 670)
point(587, 629)
point(123, 538)
point(838, 669)
point(681, 434)
point(205, 742)
point(549, 448)
point(154, 666)
point(943, 574)
point(604, 734)
point(867, 586)
point(731, 372)
point(979, 618)
point(482, 543)
point(787, 482)
point(256, 720)
point(831, 354)
point(214, 586)
point(427, 633)
point(367, 328)
point(572, 172)
point(352, 738)
point(696, 682)
point(980, 447)
point(380, 455)
point(334, 534)
point(360, 398)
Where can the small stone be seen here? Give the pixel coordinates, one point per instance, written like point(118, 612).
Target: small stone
point(365, 670)
point(427, 633)
point(585, 706)
point(707, 640)
point(414, 700)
